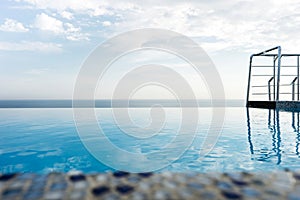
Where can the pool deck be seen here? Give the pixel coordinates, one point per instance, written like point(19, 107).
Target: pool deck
point(281, 105)
point(167, 185)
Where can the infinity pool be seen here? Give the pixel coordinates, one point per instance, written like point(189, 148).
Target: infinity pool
point(45, 140)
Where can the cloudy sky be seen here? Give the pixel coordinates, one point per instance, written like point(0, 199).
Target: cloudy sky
point(44, 42)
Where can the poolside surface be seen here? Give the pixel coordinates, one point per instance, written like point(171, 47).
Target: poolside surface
point(166, 185)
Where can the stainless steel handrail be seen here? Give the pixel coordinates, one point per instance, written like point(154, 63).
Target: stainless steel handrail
point(269, 87)
point(293, 88)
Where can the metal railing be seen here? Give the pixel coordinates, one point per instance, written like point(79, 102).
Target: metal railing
point(269, 87)
point(293, 88)
point(273, 82)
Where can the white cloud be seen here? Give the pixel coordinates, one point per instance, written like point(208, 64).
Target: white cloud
point(45, 22)
point(106, 23)
point(73, 33)
point(66, 15)
point(11, 25)
point(235, 24)
point(99, 11)
point(91, 7)
point(30, 46)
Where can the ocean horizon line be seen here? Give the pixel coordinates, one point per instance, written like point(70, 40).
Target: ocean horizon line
point(118, 103)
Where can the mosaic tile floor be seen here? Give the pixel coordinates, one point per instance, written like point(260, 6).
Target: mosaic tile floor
point(123, 185)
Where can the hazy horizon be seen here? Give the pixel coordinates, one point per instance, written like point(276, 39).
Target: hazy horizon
point(105, 103)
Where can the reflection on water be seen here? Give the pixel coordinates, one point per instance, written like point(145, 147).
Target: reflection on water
point(274, 127)
point(44, 140)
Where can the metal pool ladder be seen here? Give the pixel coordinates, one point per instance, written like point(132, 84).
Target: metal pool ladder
point(270, 89)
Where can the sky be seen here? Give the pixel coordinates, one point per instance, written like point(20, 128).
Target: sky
point(43, 43)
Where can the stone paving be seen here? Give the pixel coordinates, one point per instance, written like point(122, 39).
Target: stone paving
point(166, 185)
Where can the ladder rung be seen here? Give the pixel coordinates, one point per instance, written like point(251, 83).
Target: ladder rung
point(272, 85)
point(273, 66)
point(272, 75)
point(273, 93)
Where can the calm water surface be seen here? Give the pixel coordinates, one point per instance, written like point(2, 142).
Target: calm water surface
point(44, 140)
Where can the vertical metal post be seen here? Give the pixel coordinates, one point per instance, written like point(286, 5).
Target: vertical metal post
point(249, 77)
point(293, 92)
point(269, 87)
point(293, 88)
point(274, 72)
point(278, 73)
point(298, 78)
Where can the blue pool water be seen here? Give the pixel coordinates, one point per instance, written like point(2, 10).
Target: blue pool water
point(45, 139)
